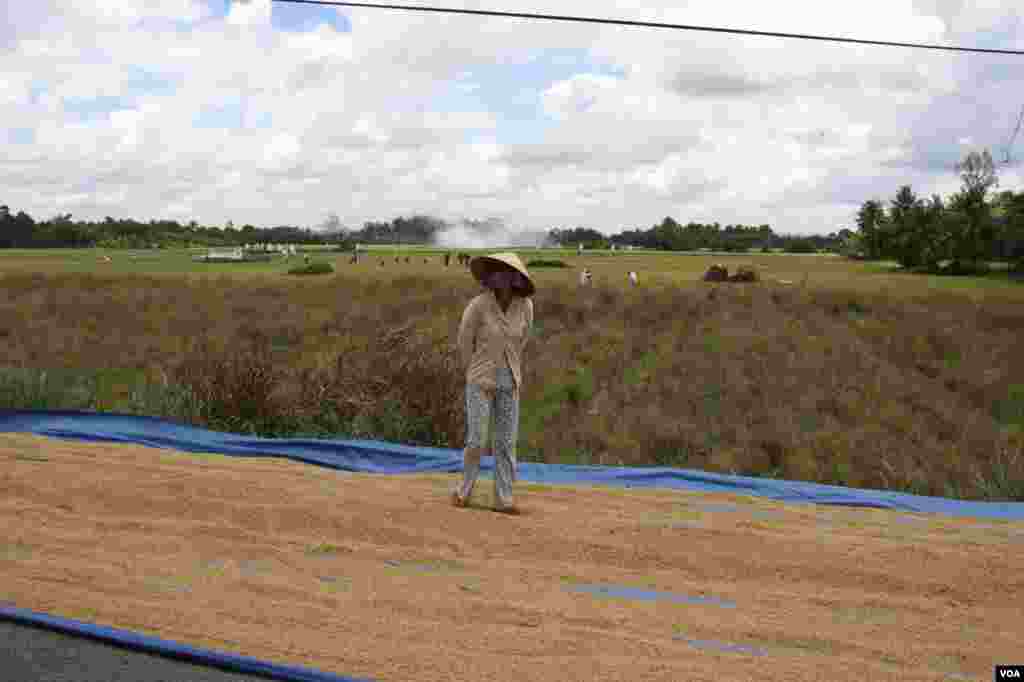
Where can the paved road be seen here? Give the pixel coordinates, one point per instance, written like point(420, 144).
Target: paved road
point(29, 654)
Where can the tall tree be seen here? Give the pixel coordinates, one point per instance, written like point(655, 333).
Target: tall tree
point(904, 227)
point(7, 228)
point(974, 230)
point(871, 224)
point(1013, 228)
point(933, 232)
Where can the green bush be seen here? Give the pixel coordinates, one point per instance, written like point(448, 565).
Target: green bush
point(801, 246)
point(318, 268)
point(547, 264)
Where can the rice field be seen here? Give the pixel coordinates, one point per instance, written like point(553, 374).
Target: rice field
point(854, 374)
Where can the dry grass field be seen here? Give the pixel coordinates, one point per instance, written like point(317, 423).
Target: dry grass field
point(854, 375)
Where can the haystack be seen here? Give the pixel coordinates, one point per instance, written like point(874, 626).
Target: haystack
point(717, 273)
point(745, 273)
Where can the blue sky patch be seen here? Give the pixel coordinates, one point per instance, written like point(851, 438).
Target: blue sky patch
point(150, 83)
point(218, 8)
point(224, 115)
point(298, 18)
point(139, 82)
point(21, 136)
point(513, 91)
point(163, 23)
point(94, 108)
point(36, 90)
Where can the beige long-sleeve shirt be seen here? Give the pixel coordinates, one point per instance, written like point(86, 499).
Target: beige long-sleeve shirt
point(490, 338)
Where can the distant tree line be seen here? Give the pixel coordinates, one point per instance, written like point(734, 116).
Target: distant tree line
point(60, 231)
point(958, 235)
point(669, 235)
point(21, 231)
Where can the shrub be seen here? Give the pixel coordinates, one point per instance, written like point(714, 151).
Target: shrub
point(318, 268)
point(231, 387)
point(539, 263)
point(801, 246)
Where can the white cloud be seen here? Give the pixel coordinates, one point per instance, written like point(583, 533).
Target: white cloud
point(324, 42)
point(577, 94)
point(118, 12)
point(249, 13)
point(699, 126)
point(281, 148)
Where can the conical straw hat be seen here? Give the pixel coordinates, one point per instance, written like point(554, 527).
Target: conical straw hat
point(481, 265)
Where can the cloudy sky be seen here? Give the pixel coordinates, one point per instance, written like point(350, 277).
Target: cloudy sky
point(279, 113)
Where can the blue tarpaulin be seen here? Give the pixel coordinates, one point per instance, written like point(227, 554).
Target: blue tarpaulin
point(389, 458)
point(125, 639)
point(378, 457)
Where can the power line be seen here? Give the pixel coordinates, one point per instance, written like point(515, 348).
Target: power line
point(649, 24)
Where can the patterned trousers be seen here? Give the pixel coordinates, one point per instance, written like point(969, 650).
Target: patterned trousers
point(482, 403)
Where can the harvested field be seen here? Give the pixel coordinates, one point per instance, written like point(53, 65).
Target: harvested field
point(852, 376)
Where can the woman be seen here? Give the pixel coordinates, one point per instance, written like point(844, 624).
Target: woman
point(492, 335)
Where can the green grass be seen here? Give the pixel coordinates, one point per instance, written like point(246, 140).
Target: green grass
point(172, 583)
point(316, 268)
point(323, 548)
point(84, 615)
point(640, 372)
point(672, 518)
point(1001, 482)
point(804, 644)
point(1010, 411)
point(214, 568)
point(31, 458)
point(426, 566)
point(554, 399)
point(192, 457)
point(472, 586)
point(101, 390)
point(335, 584)
point(15, 551)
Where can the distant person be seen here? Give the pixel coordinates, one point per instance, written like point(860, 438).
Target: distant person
point(493, 332)
point(585, 277)
point(632, 278)
point(447, 259)
point(579, 249)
